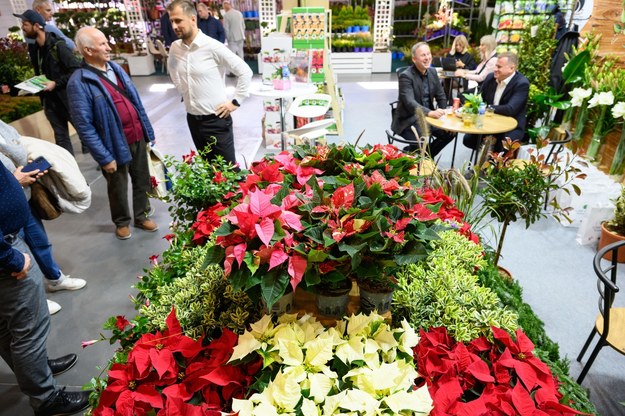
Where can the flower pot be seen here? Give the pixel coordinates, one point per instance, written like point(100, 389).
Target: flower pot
point(281, 84)
point(332, 303)
point(370, 301)
point(282, 306)
point(609, 237)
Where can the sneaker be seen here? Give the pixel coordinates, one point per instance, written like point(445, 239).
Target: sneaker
point(53, 307)
point(65, 283)
point(147, 225)
point(123, 233)
point(62, 364)
point(63, 403)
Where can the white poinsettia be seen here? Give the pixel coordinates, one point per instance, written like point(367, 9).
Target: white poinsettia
point(601, 98)
point(618, 111)
point(409, 338)
point(578, 95)
point(418, 402)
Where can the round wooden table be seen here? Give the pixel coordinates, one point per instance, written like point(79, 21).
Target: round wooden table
point(493, 124)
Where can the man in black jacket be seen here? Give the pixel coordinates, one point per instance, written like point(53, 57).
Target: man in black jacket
point(506, 90)
point(51, 57)
point(419, 86)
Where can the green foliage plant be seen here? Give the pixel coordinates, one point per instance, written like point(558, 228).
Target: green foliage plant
point(444, 291)
point(15, 65)
point(196, 184)
point(617, 223)
point(14, 108)
point(535, 54)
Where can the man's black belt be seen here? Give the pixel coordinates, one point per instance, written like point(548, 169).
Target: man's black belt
point(203, 117)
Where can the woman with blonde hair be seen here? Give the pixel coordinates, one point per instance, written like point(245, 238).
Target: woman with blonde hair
point(460, 51)
point(488, 54)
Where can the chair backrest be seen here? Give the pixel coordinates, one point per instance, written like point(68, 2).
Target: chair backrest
point(401, 69)
point(557, 145)
point(310, 106)
point(606, 285)
point(161, 48)
point(152, 48)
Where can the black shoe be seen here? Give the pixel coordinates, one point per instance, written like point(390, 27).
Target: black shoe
point(62, 364)
point(63, 403)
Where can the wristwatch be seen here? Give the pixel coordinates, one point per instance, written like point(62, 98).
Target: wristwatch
point(235, 102)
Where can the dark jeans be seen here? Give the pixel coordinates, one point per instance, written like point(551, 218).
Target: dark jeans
point(37, 240)
point(58, 116)
point(441, 139)
point(141, 185)
point(215, 132)
point(24, 329)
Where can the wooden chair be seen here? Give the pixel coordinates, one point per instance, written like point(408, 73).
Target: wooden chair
point(155, 53)
point(610, 323)
point(163, 51)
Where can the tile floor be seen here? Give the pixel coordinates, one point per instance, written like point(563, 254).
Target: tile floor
point(555, 272)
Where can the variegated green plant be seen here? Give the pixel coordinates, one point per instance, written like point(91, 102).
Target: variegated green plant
point(444, 291)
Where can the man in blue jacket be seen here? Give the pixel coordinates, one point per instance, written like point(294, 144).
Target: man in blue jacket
point(507, 91)
point(208, 24)
point(111, 121)
point(24, 319)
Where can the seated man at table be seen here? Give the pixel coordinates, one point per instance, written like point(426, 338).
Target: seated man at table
point(506, 90)
point(419, 86)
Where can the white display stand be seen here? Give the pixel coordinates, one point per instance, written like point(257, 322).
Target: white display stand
point(140, 65)
point(352, 62)
point(381, 62)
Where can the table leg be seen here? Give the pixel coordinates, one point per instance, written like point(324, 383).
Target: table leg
point(453, 154)
point(283, 138)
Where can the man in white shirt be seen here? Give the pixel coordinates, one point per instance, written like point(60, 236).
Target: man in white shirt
point(197, 64)
point(507, 91)
point(234, 25)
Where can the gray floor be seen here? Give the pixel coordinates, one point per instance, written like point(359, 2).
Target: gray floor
point(555, 272)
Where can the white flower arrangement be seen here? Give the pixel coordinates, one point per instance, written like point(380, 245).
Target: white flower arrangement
point(578, 95)
point(601, 98)
point(618, 111)
point(360, 367)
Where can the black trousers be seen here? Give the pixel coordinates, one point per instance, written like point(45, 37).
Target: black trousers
point(210, 130)
point(441, 139)
point(57, 114)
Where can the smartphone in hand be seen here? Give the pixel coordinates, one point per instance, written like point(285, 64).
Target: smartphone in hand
point(40, 163)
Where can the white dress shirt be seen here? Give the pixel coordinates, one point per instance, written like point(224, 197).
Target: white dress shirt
point(197, 70)
point(501, 87)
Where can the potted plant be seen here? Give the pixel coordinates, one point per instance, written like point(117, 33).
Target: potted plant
point(614, 230)
point(516, 189)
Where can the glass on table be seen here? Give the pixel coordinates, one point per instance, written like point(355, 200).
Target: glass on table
point(490, 111)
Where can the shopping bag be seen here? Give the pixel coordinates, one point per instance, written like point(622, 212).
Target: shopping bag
point(159, 179)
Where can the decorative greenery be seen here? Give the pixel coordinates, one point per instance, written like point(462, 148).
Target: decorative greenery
point(14, 108)
point(362, 366)
point(617, 223)
point(15, 65)
point(196, 184)
point(516, 188)
point(444, 291)
point(472, 103)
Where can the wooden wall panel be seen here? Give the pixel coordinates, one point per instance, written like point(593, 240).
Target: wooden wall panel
point(605, 14)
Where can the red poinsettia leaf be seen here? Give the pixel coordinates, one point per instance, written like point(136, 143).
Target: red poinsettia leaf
point(297, 267)
point(522, 401)
point(163, 361)
point(343, 197)
point(265, 230)
point(320, 209)
point(148, 394)
point(224, 375)
point(188, 347)
point(103, 411)
point(173, 326)
point(475, 407)
point(121, 322)
point(505, 338)
point(125, 404)
point(140, 357)
point(421, 213)
point(177, 391)
point(260, 204)
point(552, 406)
point(292, 220)
point(278, 256)
point(447, 395)
point(480, 370)
point(239, 252)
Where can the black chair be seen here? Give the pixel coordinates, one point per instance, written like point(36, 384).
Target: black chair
point(610, 323)
point(394, 137)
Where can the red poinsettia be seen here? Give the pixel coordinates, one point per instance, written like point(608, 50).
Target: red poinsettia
point(168, 373)
point(487, 378)
point(207, 221)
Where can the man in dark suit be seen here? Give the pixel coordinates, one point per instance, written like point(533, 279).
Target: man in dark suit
point(506, 90)
point(419, 86)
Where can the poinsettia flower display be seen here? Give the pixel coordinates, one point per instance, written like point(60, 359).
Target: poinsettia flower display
point(321, 216)
point(170, 373)
point(499, 377)
point(361, 366)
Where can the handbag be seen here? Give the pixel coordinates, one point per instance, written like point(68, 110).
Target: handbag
point(159, 179)
point(44, 202)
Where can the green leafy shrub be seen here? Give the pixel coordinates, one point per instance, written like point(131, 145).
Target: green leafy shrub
point(14, 108)
point(205, 304)
point(443, 291)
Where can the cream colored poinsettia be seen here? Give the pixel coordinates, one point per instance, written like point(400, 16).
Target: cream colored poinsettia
point(375, 362)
